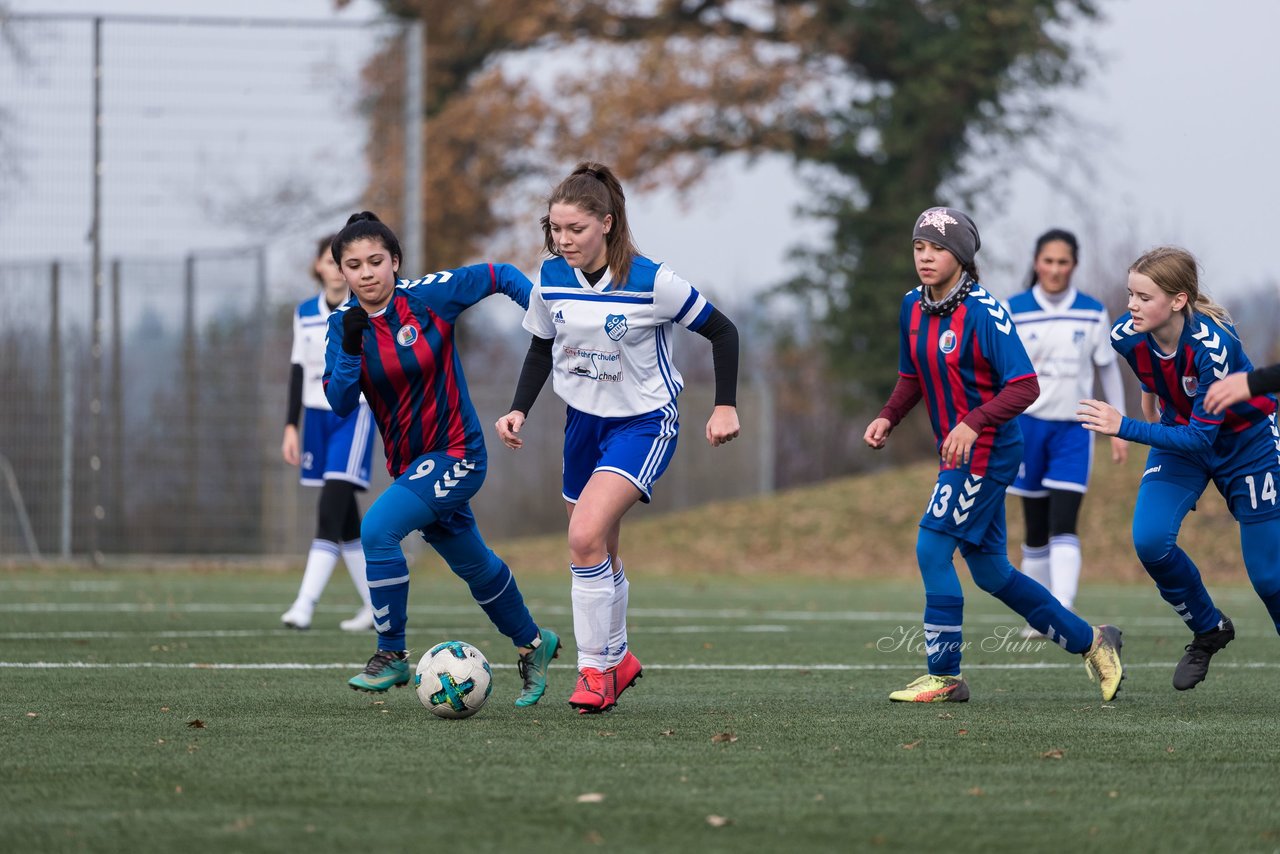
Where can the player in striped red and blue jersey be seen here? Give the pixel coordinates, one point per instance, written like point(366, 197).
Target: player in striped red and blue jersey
point(394, 340)
point(959, 352)
point(1180, 344)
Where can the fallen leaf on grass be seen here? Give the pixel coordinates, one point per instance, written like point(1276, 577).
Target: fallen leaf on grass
point(976, 791)
point(164, 708)
point(962, 732)
point(1113, 794)
point(718, 820)
point(1169, 749)
point(33, 714)
point(196, 724)
point(177, 790)
point(590, 798)
point(667, 732)
point(1055, 753)
point(946, 716)
point(723, 737)
point(605, 733)
point(913, 745)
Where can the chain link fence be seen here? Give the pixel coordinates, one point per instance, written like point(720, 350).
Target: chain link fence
point(163, 185)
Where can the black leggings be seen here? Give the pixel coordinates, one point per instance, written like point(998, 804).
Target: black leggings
point(338, 514)
point(1049, 516)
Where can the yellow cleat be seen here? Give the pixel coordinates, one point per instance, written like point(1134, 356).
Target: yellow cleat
point(934, 689)
point(1102, 661)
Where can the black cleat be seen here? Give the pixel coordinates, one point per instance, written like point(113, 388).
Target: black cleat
point(1194, 666)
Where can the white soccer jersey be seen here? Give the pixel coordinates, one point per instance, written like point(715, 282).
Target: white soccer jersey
point(1065, 341)
point(310, 327)
point(611, 354)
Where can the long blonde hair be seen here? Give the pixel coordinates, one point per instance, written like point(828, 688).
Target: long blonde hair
point(1175, 271)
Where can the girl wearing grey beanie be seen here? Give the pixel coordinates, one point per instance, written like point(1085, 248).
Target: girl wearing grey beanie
point(958, 351)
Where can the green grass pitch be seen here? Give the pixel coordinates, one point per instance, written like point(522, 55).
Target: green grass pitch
point(761, 724)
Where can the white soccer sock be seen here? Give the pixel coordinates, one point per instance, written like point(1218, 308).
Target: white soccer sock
point(592, 595)
point(618, 618)
point(353, 557)
point(321, 560)
point(1064, 567)
point(1035, 564)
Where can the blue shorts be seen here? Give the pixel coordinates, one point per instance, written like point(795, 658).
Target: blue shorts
point(969, 508)
point(337, 448)
point(1055, 455)
point(446, 486)
point(1247, 476)
point(638, 447)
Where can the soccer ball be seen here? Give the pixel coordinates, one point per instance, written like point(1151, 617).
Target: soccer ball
point(453, 680)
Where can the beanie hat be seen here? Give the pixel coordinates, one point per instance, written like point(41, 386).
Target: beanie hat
point(951, 229)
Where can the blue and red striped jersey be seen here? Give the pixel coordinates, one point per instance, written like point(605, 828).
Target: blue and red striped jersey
point(962, 361)
point(1207, 351)
point(409, 370)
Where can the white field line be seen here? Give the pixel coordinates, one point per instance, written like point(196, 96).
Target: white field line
point(761, 668)
point(283, 632)
point(909, 617)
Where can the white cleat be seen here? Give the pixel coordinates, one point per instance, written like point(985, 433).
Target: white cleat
point(297, 617)
point(361, 622)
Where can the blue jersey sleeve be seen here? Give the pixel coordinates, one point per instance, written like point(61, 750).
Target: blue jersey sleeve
point(451, 292)
point(341, 371)
point(1200, 434)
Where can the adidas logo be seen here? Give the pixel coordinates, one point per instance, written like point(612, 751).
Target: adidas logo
point(558, 317)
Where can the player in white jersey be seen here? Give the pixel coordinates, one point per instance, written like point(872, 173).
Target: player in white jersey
point(334, 452)
point(1065, 333)
point(601, 316)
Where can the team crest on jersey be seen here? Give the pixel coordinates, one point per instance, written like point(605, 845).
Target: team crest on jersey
point(1190, 385)
point(947, 341)
point(407, 335)
point(615, 326)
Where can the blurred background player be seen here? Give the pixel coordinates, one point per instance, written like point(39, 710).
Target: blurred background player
point(335, 452)
point(601, 317)
point(1066, 334)
point(1180, 344)
point(958, 350)
point(395, 342)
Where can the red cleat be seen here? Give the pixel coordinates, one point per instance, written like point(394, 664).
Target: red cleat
point(590, 696)
point(622, 675)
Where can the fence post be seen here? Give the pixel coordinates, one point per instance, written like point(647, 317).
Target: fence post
point(97, 512)
point(120, 539)
point(414, 119)
point(190, 391)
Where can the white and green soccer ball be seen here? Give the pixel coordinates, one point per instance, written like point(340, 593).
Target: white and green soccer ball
point(453, 679)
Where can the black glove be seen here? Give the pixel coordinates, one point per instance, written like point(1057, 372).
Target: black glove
point(355, 321)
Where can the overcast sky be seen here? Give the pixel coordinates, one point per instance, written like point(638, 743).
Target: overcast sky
point(1180, 126)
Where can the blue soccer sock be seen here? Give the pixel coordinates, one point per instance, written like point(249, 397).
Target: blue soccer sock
point(1180, 584)
point(493, 584)
point(1035, 604)
point(943, 633)
point(389, 595)
point(1260, 546)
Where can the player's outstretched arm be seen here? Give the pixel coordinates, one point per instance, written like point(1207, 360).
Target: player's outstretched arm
point(1228, 391)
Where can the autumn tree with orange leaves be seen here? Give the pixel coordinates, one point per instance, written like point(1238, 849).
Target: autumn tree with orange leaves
point(885, 101)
